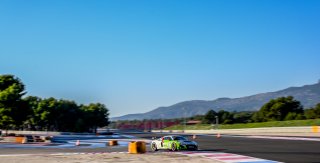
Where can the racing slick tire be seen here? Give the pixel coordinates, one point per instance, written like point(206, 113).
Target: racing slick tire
point(195, 148)
point(173, 147)
point(154, 147)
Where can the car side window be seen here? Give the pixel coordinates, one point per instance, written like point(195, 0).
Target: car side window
point(167, 138)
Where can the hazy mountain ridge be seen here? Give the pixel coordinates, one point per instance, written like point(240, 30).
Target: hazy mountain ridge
point(308, 95)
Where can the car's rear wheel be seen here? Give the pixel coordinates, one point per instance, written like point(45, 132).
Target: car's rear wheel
point(154, 147)
point(192, 147)
point(195, 148)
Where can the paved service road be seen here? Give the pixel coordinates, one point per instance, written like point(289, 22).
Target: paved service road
point(291, 151)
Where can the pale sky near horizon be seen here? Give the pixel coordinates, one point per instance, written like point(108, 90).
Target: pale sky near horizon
point(137, 55)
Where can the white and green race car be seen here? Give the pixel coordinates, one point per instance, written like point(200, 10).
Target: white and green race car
point(173, 143)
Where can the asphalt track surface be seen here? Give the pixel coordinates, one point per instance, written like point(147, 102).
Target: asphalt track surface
point(58, 146)
point(60, 150)
point(291, 151)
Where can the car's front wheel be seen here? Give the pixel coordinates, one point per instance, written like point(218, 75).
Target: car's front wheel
point(154, 147)
point(174, 147)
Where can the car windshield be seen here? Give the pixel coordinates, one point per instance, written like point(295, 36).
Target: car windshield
point(180, 138)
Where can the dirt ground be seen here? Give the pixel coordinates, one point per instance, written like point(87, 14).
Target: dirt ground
point(108, 157)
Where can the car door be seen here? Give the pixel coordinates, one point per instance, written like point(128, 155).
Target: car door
point(160, 143)
point(166, 142)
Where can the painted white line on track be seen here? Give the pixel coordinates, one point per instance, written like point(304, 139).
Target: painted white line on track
point(284, 138)
point(272, 137)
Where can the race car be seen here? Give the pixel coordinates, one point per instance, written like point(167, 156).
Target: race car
point(173, 143)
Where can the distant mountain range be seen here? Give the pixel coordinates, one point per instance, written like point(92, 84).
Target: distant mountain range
point(308, 95)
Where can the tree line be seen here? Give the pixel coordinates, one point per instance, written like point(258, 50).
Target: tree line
point(280, 109)
point(46, 114)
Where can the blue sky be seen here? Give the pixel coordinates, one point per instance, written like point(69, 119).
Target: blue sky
point(135, 55)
